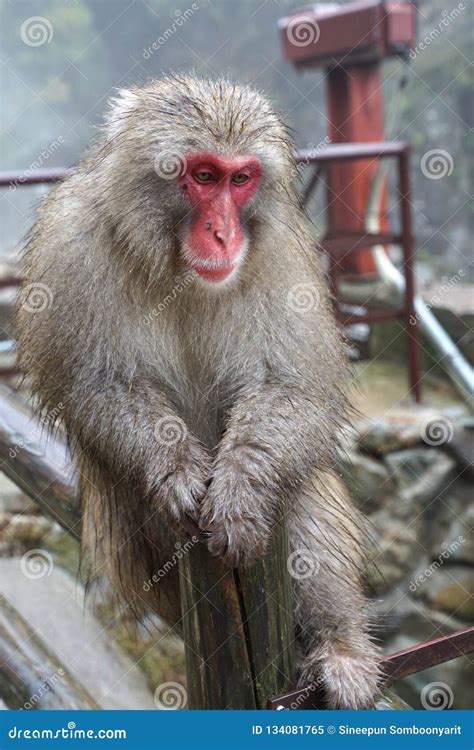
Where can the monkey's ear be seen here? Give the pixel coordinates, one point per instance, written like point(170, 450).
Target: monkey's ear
point(119, 111)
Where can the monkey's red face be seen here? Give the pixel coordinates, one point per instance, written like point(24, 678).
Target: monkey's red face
point(218, 190)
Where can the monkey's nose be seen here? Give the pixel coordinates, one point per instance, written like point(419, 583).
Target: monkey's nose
point(219, 237)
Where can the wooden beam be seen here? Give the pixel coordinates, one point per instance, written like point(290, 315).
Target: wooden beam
point(40, 465)
point(237, 628)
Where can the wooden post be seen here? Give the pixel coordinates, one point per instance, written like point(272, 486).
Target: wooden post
point(237, 624)
point(237, 628)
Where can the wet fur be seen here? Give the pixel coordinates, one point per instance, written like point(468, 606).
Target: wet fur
point(258, 387)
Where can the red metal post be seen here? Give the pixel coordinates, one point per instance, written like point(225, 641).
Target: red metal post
point(411, 321)
point(355, 114)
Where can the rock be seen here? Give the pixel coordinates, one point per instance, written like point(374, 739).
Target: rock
point(366, 479)
point(405, 428)
point(448, 588)
point(461, 445)
point(53, 605)
point(19, 533)
point(395, 551)
point(420, 473)
point(13, 500)
point(450, 524)
point(384, 436)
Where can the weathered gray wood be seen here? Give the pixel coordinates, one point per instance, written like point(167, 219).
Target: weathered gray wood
point(39, 465)
point(237, 625)
point(30, 676)
point(238, 628)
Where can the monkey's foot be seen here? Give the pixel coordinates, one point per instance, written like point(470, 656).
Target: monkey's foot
point(237, 541)
point(350, 678)
point(231, 512)
point(179, 496)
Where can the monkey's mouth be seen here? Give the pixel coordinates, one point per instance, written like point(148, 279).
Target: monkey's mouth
point(214, 270)
point(215, 274)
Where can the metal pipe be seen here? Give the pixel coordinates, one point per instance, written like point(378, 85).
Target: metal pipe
point(452, 360)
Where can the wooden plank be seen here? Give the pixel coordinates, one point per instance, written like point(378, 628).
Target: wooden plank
point(237, 628)
point(31, 677)
point(41, 467)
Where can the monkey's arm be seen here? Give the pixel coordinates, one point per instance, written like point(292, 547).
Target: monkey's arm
point(274, 438)
point(131, 433)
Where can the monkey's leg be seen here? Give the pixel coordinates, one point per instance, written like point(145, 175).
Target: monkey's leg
point(331, 612)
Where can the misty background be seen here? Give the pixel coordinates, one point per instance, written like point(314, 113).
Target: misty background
point(54, 93)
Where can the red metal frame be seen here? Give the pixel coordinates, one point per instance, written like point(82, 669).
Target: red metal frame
point(340, 245)
point(350, 42)
point(395, 667)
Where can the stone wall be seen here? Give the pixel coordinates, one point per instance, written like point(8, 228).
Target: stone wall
point(412, 477)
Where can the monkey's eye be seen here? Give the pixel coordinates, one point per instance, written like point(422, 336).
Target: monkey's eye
point(240, 179)
point(204, 176)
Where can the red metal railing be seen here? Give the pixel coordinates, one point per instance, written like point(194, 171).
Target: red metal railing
point(337, 246)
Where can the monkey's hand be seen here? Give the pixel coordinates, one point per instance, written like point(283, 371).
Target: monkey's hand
point(234, 514)
point(349, 673)
point(179, 491)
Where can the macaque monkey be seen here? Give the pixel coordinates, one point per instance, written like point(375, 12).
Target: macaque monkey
point(187, 333)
